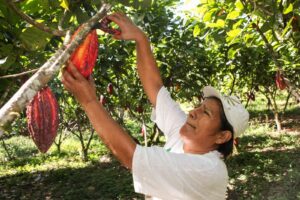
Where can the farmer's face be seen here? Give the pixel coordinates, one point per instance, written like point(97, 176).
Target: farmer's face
point(203, 125)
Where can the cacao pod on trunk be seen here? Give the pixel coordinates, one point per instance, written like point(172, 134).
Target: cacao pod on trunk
point(85, 56)
point(42, 119)
point(110, 88)
point(280, 82)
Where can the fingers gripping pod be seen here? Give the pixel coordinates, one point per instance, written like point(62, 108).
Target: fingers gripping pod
point(104, 26)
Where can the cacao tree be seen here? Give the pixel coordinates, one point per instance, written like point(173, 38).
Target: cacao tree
point(252, 41)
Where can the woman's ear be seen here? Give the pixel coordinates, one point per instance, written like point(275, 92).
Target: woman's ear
point(223, 136)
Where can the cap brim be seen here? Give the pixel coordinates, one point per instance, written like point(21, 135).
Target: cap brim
point(209, 91)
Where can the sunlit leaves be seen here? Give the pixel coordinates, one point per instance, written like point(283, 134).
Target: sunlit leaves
point(233, 15)
point(196, 31)
point(288, 9)
point(208, 15)
point(64, 4)
point(219, 24)
point(233, 34)
point(139, 4)
point(287, 27)
point(239, 5)
point(232, 52)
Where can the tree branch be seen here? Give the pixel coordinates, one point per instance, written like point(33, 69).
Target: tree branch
point(23, 96)
point(61, 21)
point(31, 21)
point(19, 74)
point(268, 45)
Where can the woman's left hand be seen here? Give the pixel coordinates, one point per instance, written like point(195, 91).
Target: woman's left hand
point(84, 90)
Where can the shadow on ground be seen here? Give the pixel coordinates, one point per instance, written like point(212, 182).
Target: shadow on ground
point(266, 167)
point(271, 173)
point(100, 181)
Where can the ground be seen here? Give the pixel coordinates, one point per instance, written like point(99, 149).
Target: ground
point(265, 165)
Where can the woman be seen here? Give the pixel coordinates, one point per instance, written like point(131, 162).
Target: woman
point(190, 166)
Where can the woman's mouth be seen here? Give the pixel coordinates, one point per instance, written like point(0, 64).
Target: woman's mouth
point(190, 125)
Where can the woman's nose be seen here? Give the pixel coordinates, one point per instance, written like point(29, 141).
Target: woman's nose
point(192, 114)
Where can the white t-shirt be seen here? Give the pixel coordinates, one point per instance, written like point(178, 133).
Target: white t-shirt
point(169, 173)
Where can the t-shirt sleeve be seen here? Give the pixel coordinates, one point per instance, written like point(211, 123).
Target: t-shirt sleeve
point(167, 175)
point(167, 114)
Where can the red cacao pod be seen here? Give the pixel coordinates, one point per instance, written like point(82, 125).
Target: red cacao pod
point(42, 119)
point(252, 96)
point(140, 109)
point(280, 82)
point(110, 88)
point(236, 141)
point(102, 100)
point(85, 56)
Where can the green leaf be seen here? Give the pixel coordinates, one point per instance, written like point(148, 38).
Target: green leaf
point(207, 16)
point(34, 6)
point(81, 15)
point(237, 24)
point(196, 31)
point(65, 4)
point(233, 33)
point(239, 5)
point(288, 9)
point(34, 39)
point(146, 3)
point(233, 15)
point(219, 24)
point(8, 51)
point(1, 14)
point(287, 27)
point(266, 26)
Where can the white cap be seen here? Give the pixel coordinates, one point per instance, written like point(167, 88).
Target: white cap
point(235, 112)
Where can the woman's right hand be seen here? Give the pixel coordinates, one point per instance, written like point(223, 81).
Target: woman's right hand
point(129, 31)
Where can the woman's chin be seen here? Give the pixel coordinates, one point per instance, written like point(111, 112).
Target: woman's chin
point(182, 130)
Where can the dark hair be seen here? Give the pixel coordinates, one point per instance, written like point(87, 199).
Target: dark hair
point(227, 147)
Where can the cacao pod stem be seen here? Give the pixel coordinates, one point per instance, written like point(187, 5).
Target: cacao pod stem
point(104, 26)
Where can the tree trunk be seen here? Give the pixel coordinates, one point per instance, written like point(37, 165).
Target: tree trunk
point(58, 148)
point(9, 156)
point(84, 155)
point(287, 102)
point(277, 121)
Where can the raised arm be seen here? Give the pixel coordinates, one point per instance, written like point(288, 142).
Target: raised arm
point(146, 64)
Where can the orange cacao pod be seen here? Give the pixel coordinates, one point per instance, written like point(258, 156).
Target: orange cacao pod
point(42, 119)
point(85, 56)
